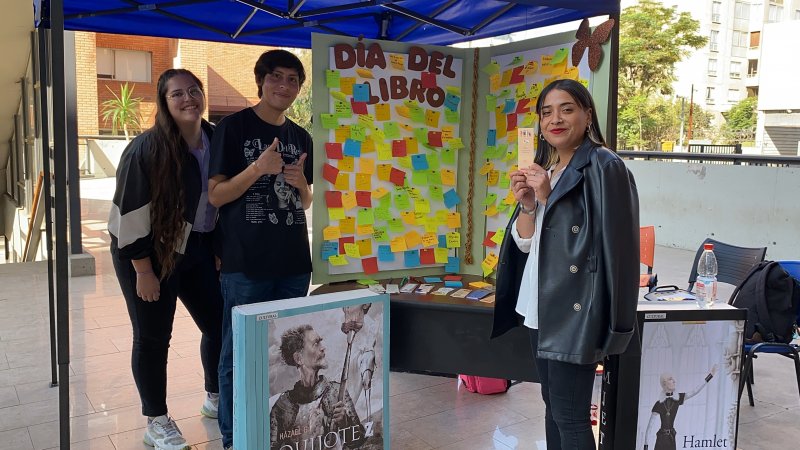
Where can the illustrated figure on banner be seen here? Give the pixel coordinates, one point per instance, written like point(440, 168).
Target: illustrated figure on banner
point(666, 408)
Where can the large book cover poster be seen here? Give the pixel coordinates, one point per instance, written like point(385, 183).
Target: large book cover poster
point(688, 389)
point(312, 373)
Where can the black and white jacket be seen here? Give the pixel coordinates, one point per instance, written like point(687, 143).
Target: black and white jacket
point(129, 221)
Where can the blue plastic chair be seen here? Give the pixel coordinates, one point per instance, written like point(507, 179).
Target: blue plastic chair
point(790, 350)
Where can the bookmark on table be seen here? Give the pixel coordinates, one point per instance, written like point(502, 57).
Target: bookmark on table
point(442, 291)
point(392, 289)
point(408, 288)
point(424, 289)
point(461, 293)
point(478, 294)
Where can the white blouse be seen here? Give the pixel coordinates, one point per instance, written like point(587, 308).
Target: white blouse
point(528, 300)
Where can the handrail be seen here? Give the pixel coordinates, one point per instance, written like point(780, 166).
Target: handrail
point(715, 158)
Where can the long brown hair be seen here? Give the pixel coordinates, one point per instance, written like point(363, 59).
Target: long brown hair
point(167, 153)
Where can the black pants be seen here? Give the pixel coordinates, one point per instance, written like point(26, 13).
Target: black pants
point(196, 282)
point(567, 395)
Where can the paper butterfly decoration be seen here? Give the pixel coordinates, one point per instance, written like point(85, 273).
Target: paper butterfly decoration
point(587, 39)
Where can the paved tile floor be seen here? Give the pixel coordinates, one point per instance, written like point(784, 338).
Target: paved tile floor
point(426, 412)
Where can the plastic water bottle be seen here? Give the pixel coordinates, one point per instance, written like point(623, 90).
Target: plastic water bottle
point(706, 284)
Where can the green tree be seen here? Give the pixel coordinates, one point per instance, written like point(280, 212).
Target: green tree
point(644, 122)
point(301, 111)
point(740, 121)
point(123, 110)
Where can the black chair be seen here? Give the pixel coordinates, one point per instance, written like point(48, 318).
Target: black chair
point(733, 262)
point(790, 350)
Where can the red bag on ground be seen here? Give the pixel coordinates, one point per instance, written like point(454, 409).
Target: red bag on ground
point(484, 385)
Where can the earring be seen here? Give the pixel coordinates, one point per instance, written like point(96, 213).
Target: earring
point(541, 135)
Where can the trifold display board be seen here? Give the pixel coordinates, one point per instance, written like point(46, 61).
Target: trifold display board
point(413, 145)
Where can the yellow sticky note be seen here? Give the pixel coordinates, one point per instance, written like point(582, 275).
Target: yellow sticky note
point(412, 147)
point(422, 205)
point(341, 96)
point(413, 239)
point(363, 182)
point(453, 239)
point(366, 165)
point(364, 247)
point(448, 177)
point(509, 200)
point(479, 284)
point(342, 133)
point(379, 193)
point(403, 111)
point(408, 217)
point(447, 132)
point(338, 260)
point(367, 120)
point(332, 232)
point(364, 73)
point(455, 143)
point(491, 260)
point(506, 78)
point(494, 82)
point(384, 170)
point(432, 118)
point(348, 225)
point(382, 112)
point(429, 240)
point(365, 230)
point(347, 164)
point(491, 211)
point(498, 236)
point(342, 181)
point(397, 61)
point(349, 200)
point(440, 255)
point(351, 250)
point(530, 68)
point(346, 84)
point(492, 177)
point(454, 220)
point(398, 244)
point(487, 167)
point(335, 214)
point(368, 146)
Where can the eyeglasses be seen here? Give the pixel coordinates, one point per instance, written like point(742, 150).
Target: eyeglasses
point(193, 92)
point(280, 78)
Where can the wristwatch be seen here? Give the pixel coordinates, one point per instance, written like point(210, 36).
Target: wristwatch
point(524, 210)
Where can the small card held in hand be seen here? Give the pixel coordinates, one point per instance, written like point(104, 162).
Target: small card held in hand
point(525, 147)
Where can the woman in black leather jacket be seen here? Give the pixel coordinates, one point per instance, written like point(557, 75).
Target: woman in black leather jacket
point(569, 263)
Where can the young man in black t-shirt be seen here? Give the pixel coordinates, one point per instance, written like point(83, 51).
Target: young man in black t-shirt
point(260, 179)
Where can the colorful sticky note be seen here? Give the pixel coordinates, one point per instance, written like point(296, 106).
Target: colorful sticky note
point(361, 93)
point(346, 84)
point(451, 102)
point(333, 199)
point(335, 214)
point(413, 239)
point(364, 247)
point(435, 138)
point(432, 118)
point(342, 181)
point(419, 162)
point(454, 220)
point(440, 255)
point(363, 182)
point(399, 148)
point(380, 234)
point(333, 150)
point(369, 265)
point(347, 164)
point(491, 68)
point(379, 193)
point(329, 121)
point(453, 264)
point(348, 200)
point(329, 248)
point(426, 256)
point(397, 176)
point(332, 79)
point(488, 242)
point(411, 258)
point(358, 107)
point(385, 253)
point(428, 80)
point(351, 250)
point(348, 226)
point(398, 244)
point(451, 198)
point(365, 216)
point(329, 173)
point(397, 61)
point(448, 177)
point(391, 130)
point(364, 199)
point(338, 260)
point(331, 232)
point(453, 239)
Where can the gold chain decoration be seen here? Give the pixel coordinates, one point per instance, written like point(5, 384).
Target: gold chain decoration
point(471, 172)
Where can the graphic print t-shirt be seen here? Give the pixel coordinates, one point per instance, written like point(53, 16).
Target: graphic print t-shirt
point(264, 232)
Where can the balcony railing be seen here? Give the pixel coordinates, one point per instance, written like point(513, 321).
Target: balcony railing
point(704, 155)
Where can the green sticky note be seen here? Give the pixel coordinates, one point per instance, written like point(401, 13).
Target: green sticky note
point(436, 193)
point(504, 93)
point(404, 162)
point(378, 135)
point(491, 68)
point(419, 177)
point(434, 178)
point(342, 109)
point(329, 121)
point(380, 234)
point(455, 90)
point(417, 114)
point(401, 201)
point(491, 102)
point(332, 78)
point(502, 206)
point(490, 199)
point(558, 56)
point(451, 116)
point(504, 181)
point(384, 151)
point(491, 152)
point(385, 202)
point(422, 135)
point(365, 216)
point(383, 213)
point(358, 132)
point(367, 120)
point(396, 225)
point(455, 143)
point(339, 95)
point(448, 156)
point(433, 161)
point(517, 59)
point(391, 130)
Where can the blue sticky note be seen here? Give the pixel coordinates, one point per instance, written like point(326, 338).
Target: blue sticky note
point(453, 284)
point(361, 92)
point(329, 248)
point(385, 253)
point(352, 148)
point(453, 264)
point(510, 106)
point(442, 241)
point(411, 258)
point(432, 280)
point(451, 198)
point(451, 102)
point(419, 162)
point(491, 138)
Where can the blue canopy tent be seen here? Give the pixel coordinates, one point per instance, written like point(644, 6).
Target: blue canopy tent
point(284, 23)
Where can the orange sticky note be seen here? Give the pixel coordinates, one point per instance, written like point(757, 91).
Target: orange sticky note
point(454, 220)
point(384, 171)
point(409, 217)
point(346, 84)
point(342, 181)
point(413, 239)
point(448, 177)
point(382, 112)
point(486, 168)
point(432, 118)
point(398, 244)
point(379, 193)
point(365, 230)
point(348, 200)
point(347, 164)
point(342, 133)
point(330, 233)
point(363, 182)
point(348, 225)
point(430, 240)
point(364, 246)
point(366, 165)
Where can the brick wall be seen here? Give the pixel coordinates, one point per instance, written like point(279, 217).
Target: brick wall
point(86, 76)
point(232, 83)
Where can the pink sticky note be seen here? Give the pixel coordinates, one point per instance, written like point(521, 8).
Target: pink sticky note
point(329, 173)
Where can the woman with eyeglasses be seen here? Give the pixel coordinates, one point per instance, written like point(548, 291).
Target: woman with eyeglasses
point(161, 225)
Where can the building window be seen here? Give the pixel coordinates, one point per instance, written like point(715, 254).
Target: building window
point(712, 67)
point(755, 39)
point(709, 95)
point(733, 95)
point(741, 38)
point(713, 41)
point(797, 14)
point(736, 69)
point(742, 11)
point(716, 8)
point(124, 65)
point(752, 68)
point(774, 13)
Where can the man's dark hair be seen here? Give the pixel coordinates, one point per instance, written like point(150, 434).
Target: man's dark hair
point(271, 60)
point(292, 341)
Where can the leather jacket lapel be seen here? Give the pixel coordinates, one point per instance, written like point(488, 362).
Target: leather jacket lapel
point(572, 174)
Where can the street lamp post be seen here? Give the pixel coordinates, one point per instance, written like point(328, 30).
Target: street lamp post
point(691, 108)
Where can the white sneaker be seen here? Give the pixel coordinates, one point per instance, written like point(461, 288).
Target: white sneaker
point(210, 406)
point(163, 434)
